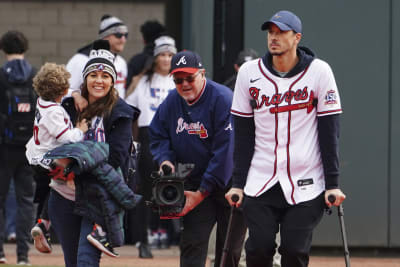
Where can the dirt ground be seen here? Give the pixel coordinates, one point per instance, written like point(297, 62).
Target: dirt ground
point(170, 258)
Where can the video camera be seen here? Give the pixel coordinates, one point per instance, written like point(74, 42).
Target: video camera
point(167, 192)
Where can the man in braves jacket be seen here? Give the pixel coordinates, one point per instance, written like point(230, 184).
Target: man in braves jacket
point(286, 110)
point(193, 125)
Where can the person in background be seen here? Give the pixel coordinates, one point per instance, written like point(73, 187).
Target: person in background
point(17, 73)
point(244, 56)
point(141, 62)
point(115, 32)
point(150, 92)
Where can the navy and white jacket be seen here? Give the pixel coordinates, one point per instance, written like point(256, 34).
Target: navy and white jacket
point(201, 133)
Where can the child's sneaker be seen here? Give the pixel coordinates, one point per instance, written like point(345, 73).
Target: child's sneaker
point(99, 240)
point(41, 237)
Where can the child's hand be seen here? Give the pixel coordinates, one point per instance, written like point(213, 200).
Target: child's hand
point(83, 125)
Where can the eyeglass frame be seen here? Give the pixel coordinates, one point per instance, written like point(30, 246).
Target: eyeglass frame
point(119, 35)
point(189, 79)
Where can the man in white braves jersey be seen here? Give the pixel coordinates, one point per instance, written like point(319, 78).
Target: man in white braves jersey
point(116, 32)
point(286, 110)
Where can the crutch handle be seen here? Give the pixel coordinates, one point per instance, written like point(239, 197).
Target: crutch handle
point(332, 199)
point(235, 198)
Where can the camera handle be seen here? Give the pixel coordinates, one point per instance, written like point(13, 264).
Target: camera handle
point(167, 170)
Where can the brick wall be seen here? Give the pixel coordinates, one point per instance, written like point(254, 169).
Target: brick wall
point(56, 29)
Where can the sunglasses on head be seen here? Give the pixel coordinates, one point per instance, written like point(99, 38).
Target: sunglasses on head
point(119, 35)
point(189, 79)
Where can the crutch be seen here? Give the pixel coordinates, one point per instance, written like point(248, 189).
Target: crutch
point(332, 199)
point(234, 198)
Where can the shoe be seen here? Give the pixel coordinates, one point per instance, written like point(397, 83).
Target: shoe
point(164, 244)
point(11, 238)
point(3, 260)
point(154, 240)
point(23, 260)
point(41, 238)
point(101, 242)
point(144, 251)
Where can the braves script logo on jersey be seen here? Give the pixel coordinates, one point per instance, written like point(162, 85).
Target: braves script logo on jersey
point(191, 128)
point(331, 98)
point(288, 96)
point(182, 60)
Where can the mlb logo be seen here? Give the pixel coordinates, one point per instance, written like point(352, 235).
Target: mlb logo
point(24, 107)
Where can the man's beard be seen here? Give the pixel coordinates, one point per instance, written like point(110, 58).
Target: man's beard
point(277, 53)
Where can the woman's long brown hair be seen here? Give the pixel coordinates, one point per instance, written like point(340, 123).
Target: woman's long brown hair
point(101, 107)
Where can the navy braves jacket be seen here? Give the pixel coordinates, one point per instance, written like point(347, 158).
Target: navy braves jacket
point(201, 133)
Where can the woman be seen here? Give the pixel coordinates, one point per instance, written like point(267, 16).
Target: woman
point(151, 90)
point(70, 207)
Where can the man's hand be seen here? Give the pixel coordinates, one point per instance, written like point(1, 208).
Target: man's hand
point(340, 197)
point(80, 102)
point(234, 191)
point(192, 200)
point(168, 163)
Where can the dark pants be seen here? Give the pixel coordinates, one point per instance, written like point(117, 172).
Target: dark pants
point(15, 166)
point(197, 226)
point(72, 230)
point(141, 216)
point(266, 213)
point(42, 179)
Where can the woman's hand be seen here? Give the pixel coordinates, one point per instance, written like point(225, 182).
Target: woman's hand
point(80, 102)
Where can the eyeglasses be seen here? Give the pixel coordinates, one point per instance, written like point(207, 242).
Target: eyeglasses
point(119, 35)
point(189, 79)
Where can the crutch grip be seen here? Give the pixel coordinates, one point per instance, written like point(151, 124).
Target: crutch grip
point(331, 199)
point(235, 198)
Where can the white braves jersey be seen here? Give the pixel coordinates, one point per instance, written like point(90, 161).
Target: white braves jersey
point(149, 95)
point(76, 64)
point(52, 128)
point(286, 137)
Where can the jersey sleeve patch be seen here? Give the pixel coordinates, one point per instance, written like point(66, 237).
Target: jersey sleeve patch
point(331, 98)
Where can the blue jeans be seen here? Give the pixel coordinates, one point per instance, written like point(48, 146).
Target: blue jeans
point(72, 230)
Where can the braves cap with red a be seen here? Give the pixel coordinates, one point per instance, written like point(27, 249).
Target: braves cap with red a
point(186, 61)
point(285, 21)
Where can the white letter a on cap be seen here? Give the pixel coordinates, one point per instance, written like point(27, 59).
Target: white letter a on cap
point(181, 60)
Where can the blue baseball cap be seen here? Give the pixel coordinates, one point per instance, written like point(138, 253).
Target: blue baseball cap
point(186, 61)
point(284, 20)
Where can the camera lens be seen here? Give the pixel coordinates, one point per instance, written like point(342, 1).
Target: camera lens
point(170, 193)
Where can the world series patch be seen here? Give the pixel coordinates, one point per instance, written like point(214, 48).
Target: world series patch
point(331, 98)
